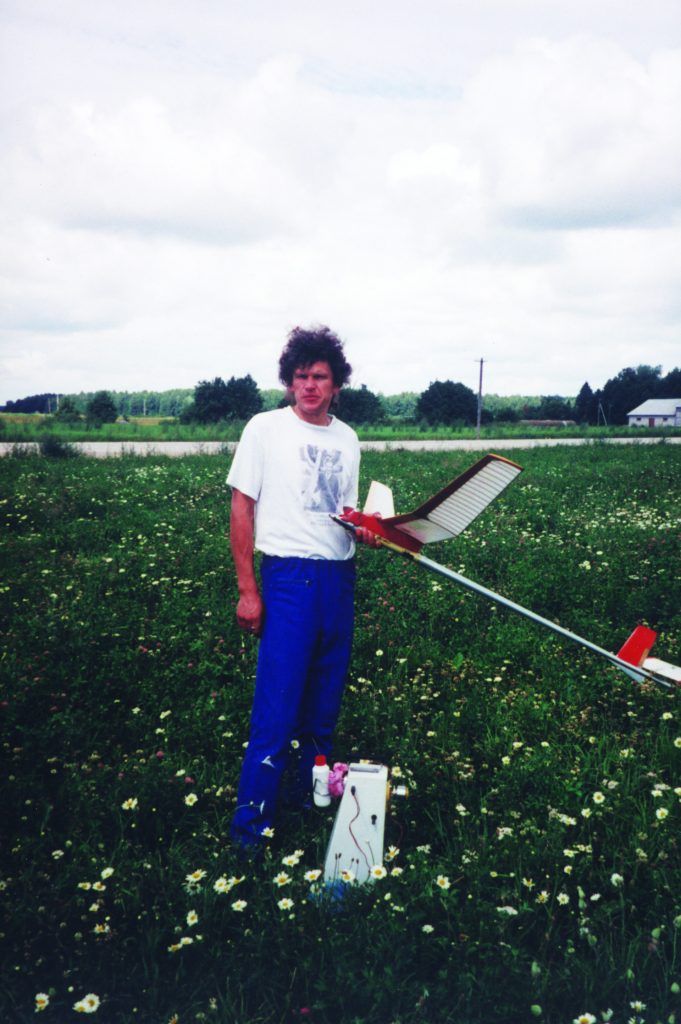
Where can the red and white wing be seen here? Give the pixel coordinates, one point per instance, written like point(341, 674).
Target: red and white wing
point(452, 509)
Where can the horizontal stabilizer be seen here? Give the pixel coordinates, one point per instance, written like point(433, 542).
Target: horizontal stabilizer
point(663, 668)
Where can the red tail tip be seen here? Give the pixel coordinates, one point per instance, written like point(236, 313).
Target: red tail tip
point(639, 645)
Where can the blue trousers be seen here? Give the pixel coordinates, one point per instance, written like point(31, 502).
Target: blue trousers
point(302, 664)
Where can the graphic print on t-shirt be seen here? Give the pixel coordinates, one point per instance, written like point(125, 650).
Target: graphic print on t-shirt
point(322, 478)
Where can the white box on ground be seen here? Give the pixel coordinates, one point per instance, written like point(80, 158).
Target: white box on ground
point(356, 843)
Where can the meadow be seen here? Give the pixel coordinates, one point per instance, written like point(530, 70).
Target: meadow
point(534, 871)
point(35, 428)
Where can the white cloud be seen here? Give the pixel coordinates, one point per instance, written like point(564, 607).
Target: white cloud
point(177, 191)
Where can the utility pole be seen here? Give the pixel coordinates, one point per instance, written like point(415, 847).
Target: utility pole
point(477, 429)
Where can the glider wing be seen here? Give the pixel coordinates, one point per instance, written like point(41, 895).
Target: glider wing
point(452, 509)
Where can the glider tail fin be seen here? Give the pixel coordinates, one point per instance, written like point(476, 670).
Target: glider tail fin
point(636, 651)
point(379, 500)
point(638, 646)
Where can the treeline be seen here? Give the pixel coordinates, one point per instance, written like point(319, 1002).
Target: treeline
point(128, 403)
point(443, 403)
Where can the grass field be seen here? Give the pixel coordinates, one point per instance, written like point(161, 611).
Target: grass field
point(534, 872)
point(21, 428)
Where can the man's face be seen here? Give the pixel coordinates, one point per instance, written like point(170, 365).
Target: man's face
point(313, 390)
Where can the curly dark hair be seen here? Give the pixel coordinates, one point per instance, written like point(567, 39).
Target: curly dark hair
point(306, 346)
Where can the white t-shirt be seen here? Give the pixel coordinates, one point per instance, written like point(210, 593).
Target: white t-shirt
point(298, 474)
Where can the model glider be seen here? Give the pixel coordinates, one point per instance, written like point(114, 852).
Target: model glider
point(447, 514)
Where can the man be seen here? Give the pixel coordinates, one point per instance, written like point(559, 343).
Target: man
point(293, 467)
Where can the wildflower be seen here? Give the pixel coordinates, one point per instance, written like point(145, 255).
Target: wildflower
point(396, 772)
point(637, 1005)
point(598, 797)
point(88, 1004)
point(528, 883)
point(378, 871)
point(267, 832)
point(543, 896)
point(677, 742)
point(428, 929)
point(164, 714)
point(42, 1001)
point(397, 871)
point(585, 1018)
point(239, 905)
point(192, 918)
point(295, 744)
point(195, 876)
point(347, 876)
point(57, 854)
point(462, 810)
point(285, 904)
point(190, 799)
point(503, 832)
point(379, 653)
point(99, 886)
point(586, 812)
point(101, 929)
point(85, 885)
point(511, 911)
point(392, 853)
point(282, 879)
point(563, 898)
point(107, 873)
point(616, 880)
point(661, 813)
point(443, 882)
point(666, 715)
point(313, 875)
point(130, 804)
point(291, 860)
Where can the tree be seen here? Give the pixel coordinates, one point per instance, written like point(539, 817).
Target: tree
point(238, 399)
point(67, 412)
point(447, 402)
point(670, 386)
point(586, 405)
point(554, 407)
point(101, 409)
point(44, 403)
point(629, 389)
point(360, 405)
point(401, 406)
point(243, 398)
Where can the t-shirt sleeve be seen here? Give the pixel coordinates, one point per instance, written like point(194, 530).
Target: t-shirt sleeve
point(246, 472)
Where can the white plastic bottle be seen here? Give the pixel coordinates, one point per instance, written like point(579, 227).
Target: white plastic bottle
point(320, 781)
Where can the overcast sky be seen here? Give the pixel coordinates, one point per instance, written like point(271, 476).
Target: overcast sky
point(438, 181)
